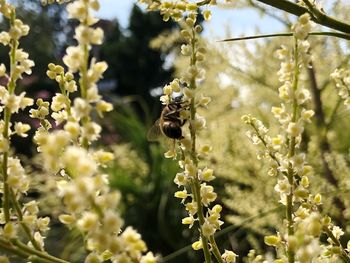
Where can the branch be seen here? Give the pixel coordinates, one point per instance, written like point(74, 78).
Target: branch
point(318, 16)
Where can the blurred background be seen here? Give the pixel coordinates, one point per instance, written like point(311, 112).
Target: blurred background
point(142, 52)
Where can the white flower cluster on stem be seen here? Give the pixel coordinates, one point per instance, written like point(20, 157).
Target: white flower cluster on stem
point(17, 217)
point(89, 203)
point(341, 77)
point(196, 193)
point(304, 222)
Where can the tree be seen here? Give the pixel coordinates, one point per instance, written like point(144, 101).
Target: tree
point(137, 67)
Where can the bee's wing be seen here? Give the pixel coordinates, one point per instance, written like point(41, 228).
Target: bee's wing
point(154, 133)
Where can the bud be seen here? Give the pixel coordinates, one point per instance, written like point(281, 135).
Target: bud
point(272, 240)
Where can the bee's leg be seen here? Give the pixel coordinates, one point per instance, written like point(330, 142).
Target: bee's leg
point(170, 114)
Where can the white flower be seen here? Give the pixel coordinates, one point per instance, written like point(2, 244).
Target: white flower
point(337, 232)
point(148, 258)
point(21, 129)
point(208, 229)
point(5, 38)
point(283, 186)
point(74, 58)
point(207, 175)
point(96, 70)
point(295, 129)
point(88, 222)
point(12, 102)
point(207, 193)
point(91, 131)
point(2, 70)
point(229, 256)
point(59, 102)
point(78, 162)
point(81, 108)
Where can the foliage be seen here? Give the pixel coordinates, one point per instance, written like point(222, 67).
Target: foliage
point(128, 55)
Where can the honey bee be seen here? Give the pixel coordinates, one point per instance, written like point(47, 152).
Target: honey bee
point(169, 123)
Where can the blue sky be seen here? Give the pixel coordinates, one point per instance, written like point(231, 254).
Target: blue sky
point(240, 22)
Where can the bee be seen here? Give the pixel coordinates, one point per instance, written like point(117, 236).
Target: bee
point(169, 123)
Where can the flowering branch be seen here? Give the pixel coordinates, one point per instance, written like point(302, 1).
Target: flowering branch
point(193, 177)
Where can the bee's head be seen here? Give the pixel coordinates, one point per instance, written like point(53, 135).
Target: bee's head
point(178, 99)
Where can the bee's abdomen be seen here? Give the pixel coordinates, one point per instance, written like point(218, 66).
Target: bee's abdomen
point(172, 130)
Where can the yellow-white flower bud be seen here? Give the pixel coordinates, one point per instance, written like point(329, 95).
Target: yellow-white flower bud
point(188, 220)
point(318, 199)
point(181, 194)
point(170, 154)
point(206, 14)
point(197, 245)
point(272, 240)
point(167, 90)
point(10, 230)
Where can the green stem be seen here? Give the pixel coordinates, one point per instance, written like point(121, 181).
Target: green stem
point(289, 34)
point(195, 183)
point(7, 117)
point(292, 144)
point(6, 204)
point(9, 248)
point(344, 255)
point(84, 87)
point(317, 16)
point(25, 227)
point(12, 250)
point(195, 186)
point(271, 154)
point(40, 254)
point(215, 249)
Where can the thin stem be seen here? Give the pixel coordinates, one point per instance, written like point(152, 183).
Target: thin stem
point(289, 34)
point(83, 81)
point(84, 87)
point(40, 254)
point(344, 255)
point(215, 249)
point(271, 154)
point(7, 117)
point(292, 144)
point(195, 184)
point(25, 227)
point(8, 247)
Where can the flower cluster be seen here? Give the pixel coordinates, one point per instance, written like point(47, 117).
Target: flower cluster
point(304, 221)
point(89, 203)
point(342, 82)
point(177, 9)
point(45, 2)
point(196, 194)
point(14, 215)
